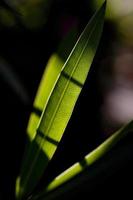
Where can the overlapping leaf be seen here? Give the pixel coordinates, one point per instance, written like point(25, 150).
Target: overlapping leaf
point(74, 175)
point(60, 105)
point(49, 77)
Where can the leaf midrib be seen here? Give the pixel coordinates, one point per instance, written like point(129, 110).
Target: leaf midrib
point(59, 102)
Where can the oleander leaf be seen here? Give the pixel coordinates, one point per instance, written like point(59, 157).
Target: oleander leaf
point(74, 175)
point(51, 72)
point(60, 105)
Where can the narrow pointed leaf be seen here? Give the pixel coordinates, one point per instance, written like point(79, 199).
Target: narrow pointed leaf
point(77, 169)
point(60, 105)
point(52, 71)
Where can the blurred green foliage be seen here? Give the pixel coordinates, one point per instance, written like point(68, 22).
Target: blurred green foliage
point(31, 13)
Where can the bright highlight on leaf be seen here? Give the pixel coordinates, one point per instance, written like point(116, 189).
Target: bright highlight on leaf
point(92, 157)
point(60, 105)
point(49, 77)
point(89, 160)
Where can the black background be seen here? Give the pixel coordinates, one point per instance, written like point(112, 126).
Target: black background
point(27, 51)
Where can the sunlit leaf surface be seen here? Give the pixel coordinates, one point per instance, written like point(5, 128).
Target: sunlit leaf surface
point(83, 166)
point(60, 105)
point(52, 71)
point(92, 157)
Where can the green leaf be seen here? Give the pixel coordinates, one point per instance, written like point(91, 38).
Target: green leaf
point(60, 105)
point(70, 175)
point(31, 14)
point(52, 71)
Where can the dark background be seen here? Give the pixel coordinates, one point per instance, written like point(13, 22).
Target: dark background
point(24, 52)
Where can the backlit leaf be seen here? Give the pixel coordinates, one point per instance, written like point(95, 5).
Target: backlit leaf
point(60, 105)
point(52, 71)
point(74, 175)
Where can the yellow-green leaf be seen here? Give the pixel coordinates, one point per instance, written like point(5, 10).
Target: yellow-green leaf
point(52, 71)
point(60, 105)
point(80, 167)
